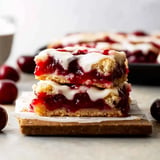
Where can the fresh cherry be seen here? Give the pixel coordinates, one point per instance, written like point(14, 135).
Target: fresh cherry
point(7, 72)
point(8, 91)
point(155, 109)
point(26, 64)
point(3, 118)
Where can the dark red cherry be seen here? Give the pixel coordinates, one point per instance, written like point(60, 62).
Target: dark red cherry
point(80, 51)
point(8, 72)
point(8, 91)
point(75, 68)
point(26, 64)
point(3, 118)
point(155, 109)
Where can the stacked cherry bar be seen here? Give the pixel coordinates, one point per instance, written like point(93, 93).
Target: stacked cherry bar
point(81, 82)
point(140, 47)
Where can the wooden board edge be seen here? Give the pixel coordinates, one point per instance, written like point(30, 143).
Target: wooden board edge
point(130, 128)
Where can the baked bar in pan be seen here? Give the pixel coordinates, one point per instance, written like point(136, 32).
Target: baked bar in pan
point(140, 47)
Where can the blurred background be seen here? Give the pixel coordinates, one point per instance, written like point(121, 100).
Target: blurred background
point(39, 21)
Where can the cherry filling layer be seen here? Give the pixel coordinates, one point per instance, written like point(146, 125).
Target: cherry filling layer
point(80, 101)
point(78, 75)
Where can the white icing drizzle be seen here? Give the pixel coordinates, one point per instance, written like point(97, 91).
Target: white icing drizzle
point(144, 47)
point(93, 92)
point(62, 57)
point(85, 60)
point(135, 38)
point(89, 59)
point(82, 37)
point(103, 45)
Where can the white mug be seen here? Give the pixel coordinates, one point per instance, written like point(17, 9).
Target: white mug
point(7, 31)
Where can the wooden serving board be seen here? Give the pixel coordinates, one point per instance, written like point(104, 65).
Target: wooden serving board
point(135, 124)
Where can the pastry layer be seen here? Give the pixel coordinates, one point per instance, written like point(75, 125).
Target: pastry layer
point(53, 99)
point(72, 65)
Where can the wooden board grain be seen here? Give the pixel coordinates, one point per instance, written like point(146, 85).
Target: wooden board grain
point(136, 127)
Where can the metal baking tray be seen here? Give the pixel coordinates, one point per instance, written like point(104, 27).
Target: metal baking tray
point(144, 73)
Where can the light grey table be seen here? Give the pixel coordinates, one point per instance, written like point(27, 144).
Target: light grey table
point(15, 146)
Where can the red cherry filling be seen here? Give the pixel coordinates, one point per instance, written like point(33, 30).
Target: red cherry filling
point(79, 101)
point(78, 76)
point(61, 50)
point(106, 52)
point(108, 40)
point(139, 57)
point(57, 46)
point(155, 45)
point(84, 51)
point(140, 33)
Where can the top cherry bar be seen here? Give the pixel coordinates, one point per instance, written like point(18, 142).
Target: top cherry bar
point(84, 66)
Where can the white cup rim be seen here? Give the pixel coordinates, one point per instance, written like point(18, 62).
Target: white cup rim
point(11, 23)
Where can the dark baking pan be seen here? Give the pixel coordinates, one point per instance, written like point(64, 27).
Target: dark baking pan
point(144, 73)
